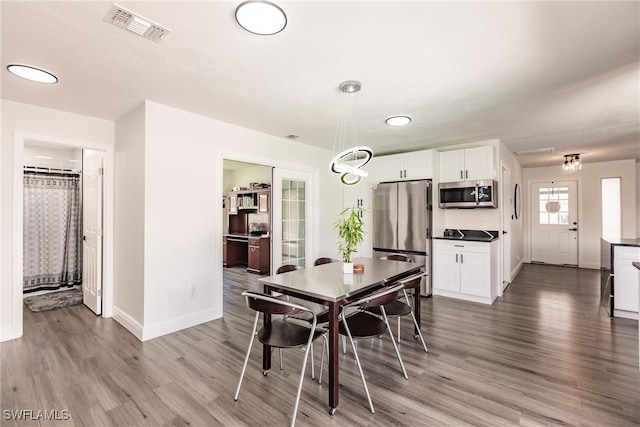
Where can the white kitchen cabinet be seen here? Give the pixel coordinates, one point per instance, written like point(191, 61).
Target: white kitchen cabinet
point(405, 166)
point(465, 270)
point(625, 281)
point(361, 195)
point(467, 164)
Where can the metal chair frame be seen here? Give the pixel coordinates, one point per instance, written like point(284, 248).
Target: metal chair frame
point(273, 305)
point(374, 299)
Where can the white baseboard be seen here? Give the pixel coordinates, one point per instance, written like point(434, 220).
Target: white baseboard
point(9, 333)
point(128, 322)
point(179, 323)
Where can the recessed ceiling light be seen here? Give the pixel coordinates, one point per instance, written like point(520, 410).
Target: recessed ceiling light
point(32, 73)
point(261, 17)
point(398, 121)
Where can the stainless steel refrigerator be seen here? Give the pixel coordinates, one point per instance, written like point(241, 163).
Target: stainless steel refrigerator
point(402, 222)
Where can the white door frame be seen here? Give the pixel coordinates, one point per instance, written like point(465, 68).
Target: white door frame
point(505, 237)
point(221, 156)
point(530, 225)
point(19, 140)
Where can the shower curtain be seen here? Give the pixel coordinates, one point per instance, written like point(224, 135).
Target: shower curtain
point(52, 251)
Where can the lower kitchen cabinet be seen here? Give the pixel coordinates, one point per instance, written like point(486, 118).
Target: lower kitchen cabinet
point(466, 270)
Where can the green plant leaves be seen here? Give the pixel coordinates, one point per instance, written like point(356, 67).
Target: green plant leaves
point(351, 230)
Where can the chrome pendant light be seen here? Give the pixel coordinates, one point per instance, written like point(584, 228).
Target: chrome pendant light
point(350, 157)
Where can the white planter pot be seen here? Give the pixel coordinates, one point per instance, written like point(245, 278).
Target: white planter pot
point(347, 267)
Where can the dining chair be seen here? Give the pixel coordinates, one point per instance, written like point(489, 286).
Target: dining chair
point(361, 324)
point(324, 260)
point(280, 333)
point(322, 315)
point(400, 308)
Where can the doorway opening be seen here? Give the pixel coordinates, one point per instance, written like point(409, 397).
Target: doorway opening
point(68, 159)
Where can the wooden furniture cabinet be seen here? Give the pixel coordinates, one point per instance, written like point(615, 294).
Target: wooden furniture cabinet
point(259, 255)
point(467, 164)
point(248, 212)
point(465, 270)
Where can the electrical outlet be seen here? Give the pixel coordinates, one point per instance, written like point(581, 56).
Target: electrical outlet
point(192, 288)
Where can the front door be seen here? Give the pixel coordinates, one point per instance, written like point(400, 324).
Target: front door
point(554, 223)
point(92, 229)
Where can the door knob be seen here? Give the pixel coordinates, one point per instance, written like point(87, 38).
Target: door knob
point(573, 229)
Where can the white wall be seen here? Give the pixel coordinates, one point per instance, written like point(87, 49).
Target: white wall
point(638, 199)
point(45, 123)
point(130, 214)
point(252, 173)
point(61, 158)
point(589, 203)
point(183, 226)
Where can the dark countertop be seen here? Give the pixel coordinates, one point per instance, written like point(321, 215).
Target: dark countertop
point(619, 241)
point(469, 235)
point(636, 265)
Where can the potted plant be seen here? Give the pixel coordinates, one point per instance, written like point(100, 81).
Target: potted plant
point(351, 231)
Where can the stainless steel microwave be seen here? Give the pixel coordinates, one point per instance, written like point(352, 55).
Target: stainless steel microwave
point(468, 194)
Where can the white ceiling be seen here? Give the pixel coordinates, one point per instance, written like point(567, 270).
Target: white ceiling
point(532, 74)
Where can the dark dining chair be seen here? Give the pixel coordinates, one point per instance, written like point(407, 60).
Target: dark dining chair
point(361, 323)
point(280, 333)
point(322, 315)
point(324, 260)
point(400, 308)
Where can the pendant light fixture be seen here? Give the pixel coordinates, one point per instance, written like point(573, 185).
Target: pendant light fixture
point(350, 157)
point(261, 17)
point(571, 163)
point(32, 73)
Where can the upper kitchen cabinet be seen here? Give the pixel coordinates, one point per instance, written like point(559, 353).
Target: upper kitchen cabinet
point(467, 164)
point(405, 166)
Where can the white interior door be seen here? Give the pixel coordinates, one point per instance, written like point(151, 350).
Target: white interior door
point(291, 220)
point(554, 222)
point(92, 162)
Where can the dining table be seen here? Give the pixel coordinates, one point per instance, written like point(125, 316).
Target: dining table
point(326, 284)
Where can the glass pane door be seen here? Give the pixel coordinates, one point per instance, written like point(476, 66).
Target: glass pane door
point(291, 225)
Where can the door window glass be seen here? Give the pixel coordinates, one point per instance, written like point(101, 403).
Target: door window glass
point(553, 206)
point(293, 222)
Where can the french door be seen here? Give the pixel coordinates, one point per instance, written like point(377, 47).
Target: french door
point(291, 218)
point(554, 222)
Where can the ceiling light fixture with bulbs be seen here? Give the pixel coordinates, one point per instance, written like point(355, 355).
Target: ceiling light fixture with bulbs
point(571, 163)
point(350, 157)
point(261, 17)
point(32, 73)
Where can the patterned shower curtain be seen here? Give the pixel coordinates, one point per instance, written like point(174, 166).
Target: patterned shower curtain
point(52, 251)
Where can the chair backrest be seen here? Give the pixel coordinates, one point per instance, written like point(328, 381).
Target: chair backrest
point(268, 304)
point(288, 267)
point(377, 298)
point(397, 257)
point(323, 260)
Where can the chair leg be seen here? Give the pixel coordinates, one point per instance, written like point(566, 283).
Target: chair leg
point(355, 354)
point(313, 371)
point(280, 351)
point(399, 328)
point(393, 341)
point(304, 365)
point(246, 359)
point(344, 345)
point(415, 323)
point(325, 345)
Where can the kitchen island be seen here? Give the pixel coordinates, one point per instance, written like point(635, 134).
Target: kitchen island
point(618, 276)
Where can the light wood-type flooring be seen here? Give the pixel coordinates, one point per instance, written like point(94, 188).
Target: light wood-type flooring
point(544, 354)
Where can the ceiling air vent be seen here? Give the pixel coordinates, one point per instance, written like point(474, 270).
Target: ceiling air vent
point(127, 20)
